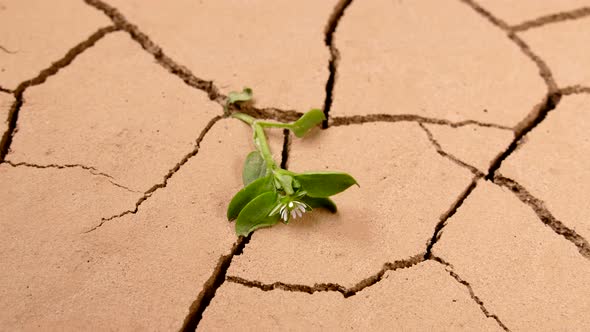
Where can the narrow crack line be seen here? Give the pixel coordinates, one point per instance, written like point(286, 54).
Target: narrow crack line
point(147, 194)
point(540, 111)
point(449, 268)
point(330, 30)
point(552, 18)
point(443, 220)
point(332, 287)
point(267, 113)
point(181, 71)
point(447, 155)
point(291, 115)
point(5, 90)
point(360, 119)
point(90, 169)
point(217, 278)
point(544, 70)
point(55, 67)
point(544, 214)
point(527, 125)
point(5, 50)
point(157, 52)
point(485, 13)
point(574, 89)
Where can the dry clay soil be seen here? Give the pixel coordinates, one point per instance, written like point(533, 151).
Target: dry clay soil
point(466, 123)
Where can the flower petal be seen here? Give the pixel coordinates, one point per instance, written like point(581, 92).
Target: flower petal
point(299, 213)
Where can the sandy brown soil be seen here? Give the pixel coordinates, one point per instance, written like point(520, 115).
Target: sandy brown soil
point(466, 122)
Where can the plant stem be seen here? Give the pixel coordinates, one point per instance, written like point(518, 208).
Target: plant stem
point(260, 140)
point(262, 146)
point(274, 124)
point(244, 117)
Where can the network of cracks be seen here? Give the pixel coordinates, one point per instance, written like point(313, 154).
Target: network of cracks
point(555, 94)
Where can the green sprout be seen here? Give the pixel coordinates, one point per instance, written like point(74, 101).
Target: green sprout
point(271, 193)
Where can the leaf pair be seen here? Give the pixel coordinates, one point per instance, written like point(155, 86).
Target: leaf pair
point(247, 194)
point(252, 205)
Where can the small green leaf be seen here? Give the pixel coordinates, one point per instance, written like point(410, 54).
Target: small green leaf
point(235, 96)
point(244, 196)
point(254, 167)
point(286, 182)
point(307, 121)
point(256, 214)
point(324, 184)
point(320, 202)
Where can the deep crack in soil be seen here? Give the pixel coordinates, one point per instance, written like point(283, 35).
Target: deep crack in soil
point(535, 117)
point(360, 119)
point(90, 169)
point(527, 125)
point(332, 287)
point(447, 155)
point(182, 72)
point(289, 115)
point(574, 89)
point(370, 281)
point(333, 21)
point(219, 274)
point(539, 112)
point(286, 148)
point(544, 70)
point(550, 19)
point(55, 67)
point(448, 214)
point(156, 51)
point(450, 270)
point(148, 193)
point(544, 214)
point(217, 278)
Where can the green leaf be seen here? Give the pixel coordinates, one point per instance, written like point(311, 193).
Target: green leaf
point(286, 182)
point(234, 96)
point(324, 184)
point(320, 202)
point(254, 167)
point(256, 214)
point(244, 196)
point(307, 121)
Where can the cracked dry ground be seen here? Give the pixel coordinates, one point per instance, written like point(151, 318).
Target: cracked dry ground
point(466, 123)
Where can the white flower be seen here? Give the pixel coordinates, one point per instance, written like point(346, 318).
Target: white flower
point(290, 209)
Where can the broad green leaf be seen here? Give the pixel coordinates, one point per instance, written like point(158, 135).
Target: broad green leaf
point(234, 96)
point(247, 194)
point(320, 202)
point(307, 121)
point(324, 184)
point(254, 167)
point(256, 214)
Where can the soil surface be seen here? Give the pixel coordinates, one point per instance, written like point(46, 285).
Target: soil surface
point(466, 123)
